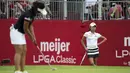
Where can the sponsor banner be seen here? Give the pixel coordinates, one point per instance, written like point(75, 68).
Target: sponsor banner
point(60, 42)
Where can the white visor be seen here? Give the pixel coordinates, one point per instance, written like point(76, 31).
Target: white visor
point(43, 11)
point(92, 24)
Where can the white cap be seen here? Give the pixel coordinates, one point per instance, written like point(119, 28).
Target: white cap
point(113, 3)
point(92, 24)
point(43, 11)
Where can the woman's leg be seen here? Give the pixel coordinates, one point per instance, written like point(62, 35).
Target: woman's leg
point(23, 58)
point(95, 61)
point(91, 60)
point(17, 57)
point(96, 58)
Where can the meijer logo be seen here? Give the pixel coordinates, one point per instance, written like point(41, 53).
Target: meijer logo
point(126, 41)
point(56, 46)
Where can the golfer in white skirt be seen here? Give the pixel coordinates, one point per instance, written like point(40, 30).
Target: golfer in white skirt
point(92, 43)
point(17, 34)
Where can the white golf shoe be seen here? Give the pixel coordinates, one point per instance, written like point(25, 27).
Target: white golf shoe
point(24, 72)
point(17, 72)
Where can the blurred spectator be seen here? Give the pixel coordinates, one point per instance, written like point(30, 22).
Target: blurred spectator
point(16, 8)
point(30, 2)
point(105, 9)
point(89, 7)
point(125, 8)
point(3, 9)
point(115, 11)
point(128, 9)
point(47, 3)
point(48, 9)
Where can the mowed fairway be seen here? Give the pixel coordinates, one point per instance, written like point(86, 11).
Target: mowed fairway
point(69, 69)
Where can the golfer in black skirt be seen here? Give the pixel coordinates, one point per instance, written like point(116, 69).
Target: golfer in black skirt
point(92, 44)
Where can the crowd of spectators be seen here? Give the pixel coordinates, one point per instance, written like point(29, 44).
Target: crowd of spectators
point(111, 9)
point(14, 8)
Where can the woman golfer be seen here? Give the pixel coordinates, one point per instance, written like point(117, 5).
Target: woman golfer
point(17, 34)
point(91, 38)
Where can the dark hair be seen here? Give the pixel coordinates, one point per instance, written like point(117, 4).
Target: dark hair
point(89, 29)
point(38, 4)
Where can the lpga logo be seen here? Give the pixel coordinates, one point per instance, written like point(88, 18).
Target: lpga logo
point(55, 46)
point(124, 53)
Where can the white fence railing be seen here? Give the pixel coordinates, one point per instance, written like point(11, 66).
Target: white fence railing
point(70, 9)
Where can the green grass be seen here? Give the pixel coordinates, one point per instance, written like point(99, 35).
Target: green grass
point(69, 69)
